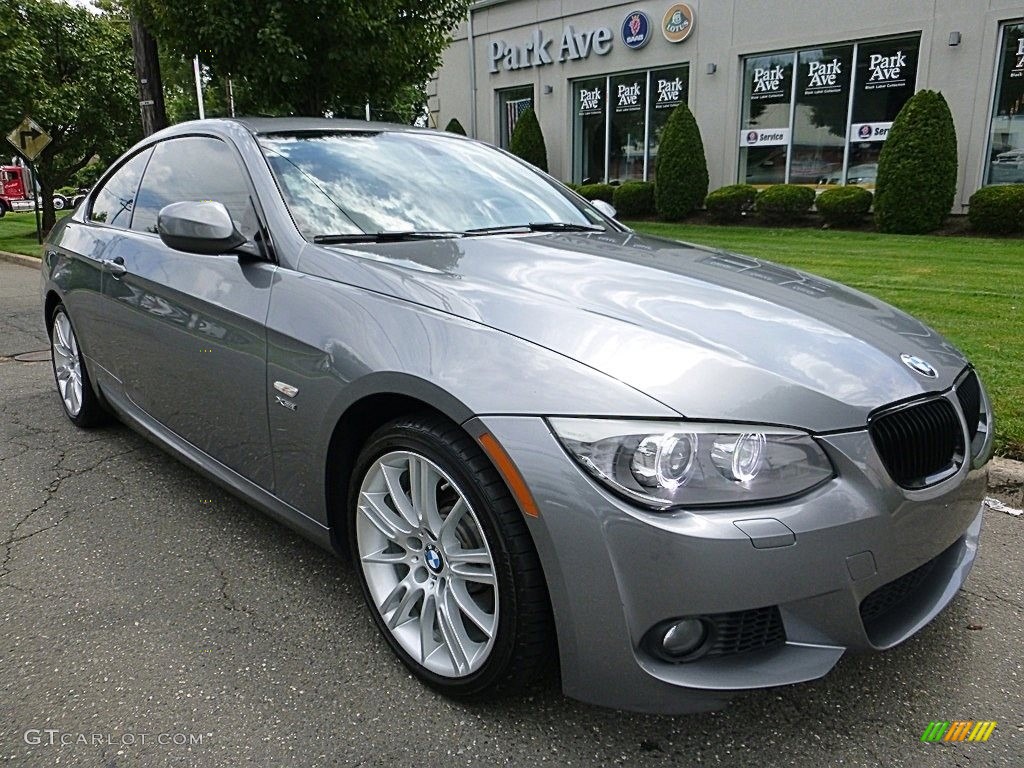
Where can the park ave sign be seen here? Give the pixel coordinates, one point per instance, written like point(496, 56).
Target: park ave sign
point(540, 49)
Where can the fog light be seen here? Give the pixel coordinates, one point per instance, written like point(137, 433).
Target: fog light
point(684, 637)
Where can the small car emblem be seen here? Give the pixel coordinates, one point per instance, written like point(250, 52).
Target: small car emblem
point(433, 558)
point(917, 365)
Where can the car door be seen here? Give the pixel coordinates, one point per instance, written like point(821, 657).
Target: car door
point(192, 326)
point(82, 256)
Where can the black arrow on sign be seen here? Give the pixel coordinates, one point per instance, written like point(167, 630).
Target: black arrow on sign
point(32, 135)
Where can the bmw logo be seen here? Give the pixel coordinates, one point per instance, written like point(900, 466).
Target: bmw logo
point(917, 365)
point(433, 558)
point(636, 29)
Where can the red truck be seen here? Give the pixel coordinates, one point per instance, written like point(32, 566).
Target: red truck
point(14, 195)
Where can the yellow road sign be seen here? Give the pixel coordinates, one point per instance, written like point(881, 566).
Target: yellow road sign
point(29, 138)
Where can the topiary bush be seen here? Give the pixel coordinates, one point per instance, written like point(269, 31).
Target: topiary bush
point(917, 167)
point(728, 204)
point(634, 198)
point(527, 140)
point(454, 126)
point(784, 203)
point(604, 192)
point(998, 210)
point(844, 206)
point(681, 181)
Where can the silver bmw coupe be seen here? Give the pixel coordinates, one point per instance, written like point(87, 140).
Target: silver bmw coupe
point(539, 436)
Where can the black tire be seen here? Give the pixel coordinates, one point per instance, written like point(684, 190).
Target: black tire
point(524, 645)
point(59, 202)
point(91, 413)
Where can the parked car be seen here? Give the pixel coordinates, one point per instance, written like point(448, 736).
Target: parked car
point(537, 434)
point(865, 174)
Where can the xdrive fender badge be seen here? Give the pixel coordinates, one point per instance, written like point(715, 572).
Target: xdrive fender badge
point(917, 365)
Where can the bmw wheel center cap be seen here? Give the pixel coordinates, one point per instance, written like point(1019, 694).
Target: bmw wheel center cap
point(433, 559)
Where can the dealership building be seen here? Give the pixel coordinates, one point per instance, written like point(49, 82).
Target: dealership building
point(783, 91)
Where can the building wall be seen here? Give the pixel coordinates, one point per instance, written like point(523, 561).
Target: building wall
point(725, 32)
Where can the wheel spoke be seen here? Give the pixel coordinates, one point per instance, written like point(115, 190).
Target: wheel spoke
point(383, 519)
point(423, 482)
point(468, 556)
point(385, 558)
point(452, 638)
point(393, 478)
point(404, 609)
point(452, 520)
point(472, 572)
point(72, 399)
point(471, 609)
point(427, 613)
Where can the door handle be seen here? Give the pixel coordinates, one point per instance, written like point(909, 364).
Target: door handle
point(115, 266)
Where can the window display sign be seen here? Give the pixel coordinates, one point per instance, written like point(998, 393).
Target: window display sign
point(765, 128)
point(590, 101)
point(1006, 134)
point(820, 117)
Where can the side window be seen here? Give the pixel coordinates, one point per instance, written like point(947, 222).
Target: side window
point(194, 168)
point(115, 201)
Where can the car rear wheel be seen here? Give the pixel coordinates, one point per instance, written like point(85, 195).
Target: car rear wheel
point(73, 384)
point(445, 561)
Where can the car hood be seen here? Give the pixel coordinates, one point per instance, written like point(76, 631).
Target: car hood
point(710, 334)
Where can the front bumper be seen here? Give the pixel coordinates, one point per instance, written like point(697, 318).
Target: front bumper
point(614, 570)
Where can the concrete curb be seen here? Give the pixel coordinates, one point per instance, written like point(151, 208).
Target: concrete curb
point(17, 258)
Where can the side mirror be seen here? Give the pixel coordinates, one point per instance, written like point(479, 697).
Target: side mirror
point(606, 208)
point(205, 228)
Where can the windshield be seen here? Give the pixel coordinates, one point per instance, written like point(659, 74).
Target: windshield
point(411, 182)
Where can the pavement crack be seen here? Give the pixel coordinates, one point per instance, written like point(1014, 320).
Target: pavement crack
point(228, 600)
point(995, 596)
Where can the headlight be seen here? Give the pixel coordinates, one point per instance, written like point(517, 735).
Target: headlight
point(683, 464)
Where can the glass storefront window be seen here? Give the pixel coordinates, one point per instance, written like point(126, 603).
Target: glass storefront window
point(820, 116)
point(827, 124)
point(590, 98)
point(1006, 134)
point(618, 120)
point(764, 129)
point(626, 134)
point(669, 88)
point(511, 104)
point(885, 80)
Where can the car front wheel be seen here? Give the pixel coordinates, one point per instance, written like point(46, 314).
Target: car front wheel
point(445, 561)
point(59, 203)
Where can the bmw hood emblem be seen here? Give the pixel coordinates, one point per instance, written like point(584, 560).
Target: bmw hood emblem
point(917, 365)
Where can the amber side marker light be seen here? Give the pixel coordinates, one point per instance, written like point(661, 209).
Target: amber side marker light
point(507, 469)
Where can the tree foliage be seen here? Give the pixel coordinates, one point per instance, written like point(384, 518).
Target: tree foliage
point(527, 140)
point(309, 57)
point(917, 167)
point(681, 182)
point(72, 72)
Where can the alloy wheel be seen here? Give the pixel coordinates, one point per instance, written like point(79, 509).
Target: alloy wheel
point(67, 364)
point(427, 564)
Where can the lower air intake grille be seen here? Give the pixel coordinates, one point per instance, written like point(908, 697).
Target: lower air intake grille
point(889, 596)
point(744, 631)
point(918, 442)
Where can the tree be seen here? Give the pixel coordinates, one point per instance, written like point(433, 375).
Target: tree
point(917, 167)
point(454, 126)
point(309, 57)
point(527, 140)
point(681, 179)
point(82, 92)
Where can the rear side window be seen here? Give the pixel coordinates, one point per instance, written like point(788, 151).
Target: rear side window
point(115, 201)
point(194, 168)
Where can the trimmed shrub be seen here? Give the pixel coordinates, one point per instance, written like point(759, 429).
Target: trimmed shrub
point(634, 198)
point(527, 140)
point(917, 167)
point(784, 203)
point(728, 204)
point(454, 126)
point(998, 210)
point(844, 206)
point(604, 192)
point(681, 181)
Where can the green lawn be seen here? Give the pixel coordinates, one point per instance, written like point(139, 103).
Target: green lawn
point(18, 234)
point(971, 289)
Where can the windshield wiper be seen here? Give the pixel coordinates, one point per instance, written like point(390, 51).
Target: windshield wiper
point(383, 237)
point(537, 226)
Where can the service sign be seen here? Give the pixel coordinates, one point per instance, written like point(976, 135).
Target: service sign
point(764, 137)
point(870, 131)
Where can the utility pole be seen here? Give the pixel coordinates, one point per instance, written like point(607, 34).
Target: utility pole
point(147, 71)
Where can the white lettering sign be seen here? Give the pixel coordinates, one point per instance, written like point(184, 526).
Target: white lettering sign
point(669, 92)
point(870, 131)
point(764, 137)
point(1020, 54)
point(535, 52)
point(887, 69)
point(822, 76)
point(590, 100)
point(629, 96)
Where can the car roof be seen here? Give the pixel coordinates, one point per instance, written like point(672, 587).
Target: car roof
point(261, 125)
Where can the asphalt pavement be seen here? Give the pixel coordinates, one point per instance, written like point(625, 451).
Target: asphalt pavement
point(148, 618)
